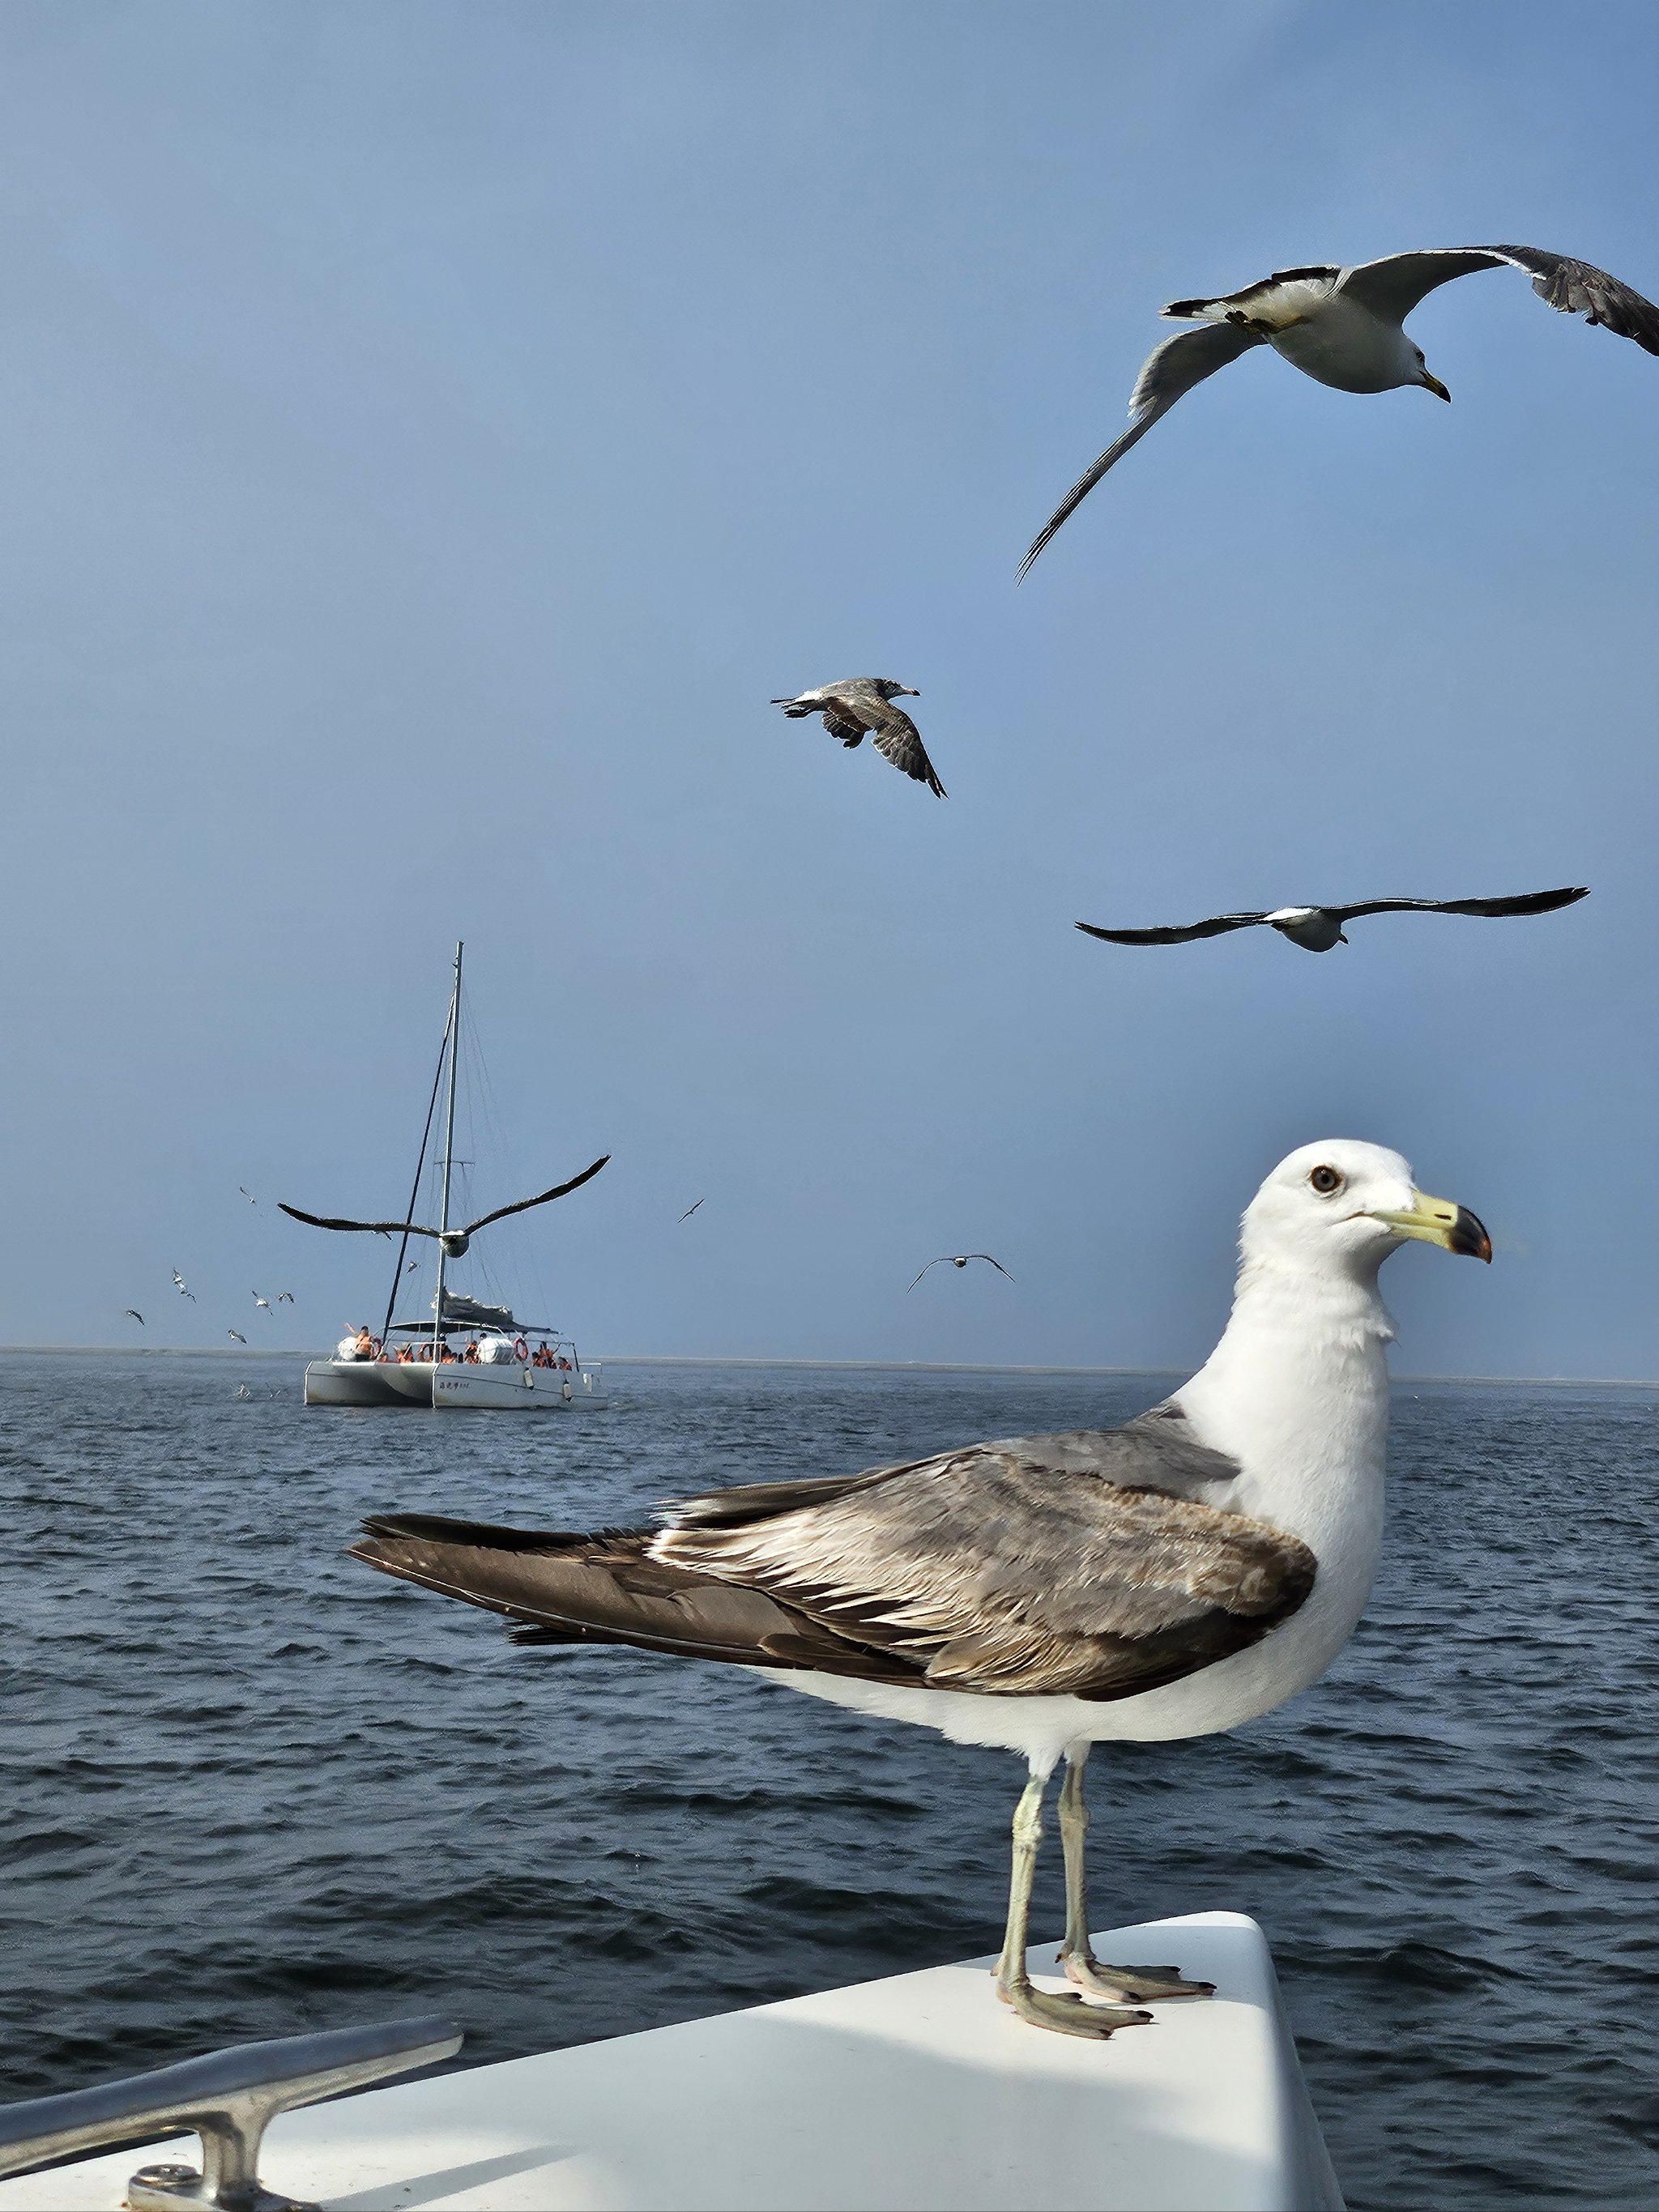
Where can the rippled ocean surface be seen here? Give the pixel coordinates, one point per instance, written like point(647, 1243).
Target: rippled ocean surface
point(252, 1788)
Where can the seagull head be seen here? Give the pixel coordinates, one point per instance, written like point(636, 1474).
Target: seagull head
point(1428, 382)
point(889, 689)
point(1340, 1207)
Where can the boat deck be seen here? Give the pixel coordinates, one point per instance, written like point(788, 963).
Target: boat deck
point(918, 2092)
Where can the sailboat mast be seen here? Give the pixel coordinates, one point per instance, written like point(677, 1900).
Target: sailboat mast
point(449, 1164)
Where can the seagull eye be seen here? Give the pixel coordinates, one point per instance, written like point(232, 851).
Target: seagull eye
point(1325, 1181)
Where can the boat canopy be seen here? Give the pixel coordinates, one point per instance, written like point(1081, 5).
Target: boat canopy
point(468, 1313)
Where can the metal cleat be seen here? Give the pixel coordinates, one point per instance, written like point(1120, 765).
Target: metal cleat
point(229, 2097)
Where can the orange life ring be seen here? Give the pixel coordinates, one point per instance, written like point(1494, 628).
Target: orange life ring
point(520, 1348)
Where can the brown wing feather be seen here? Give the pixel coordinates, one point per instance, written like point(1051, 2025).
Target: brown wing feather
point(899, 740)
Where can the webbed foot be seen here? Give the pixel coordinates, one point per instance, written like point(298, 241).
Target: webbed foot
point(1150, 1985)
point(1066, 2015)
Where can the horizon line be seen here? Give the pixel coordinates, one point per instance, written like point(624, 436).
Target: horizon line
point(764, 1360)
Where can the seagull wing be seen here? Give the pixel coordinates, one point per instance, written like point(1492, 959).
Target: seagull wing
point(133, 1314)
point(1216, 926)
point(1169, 373)
point(1095, 1565)
point(842, 726)
point(520, 1205)
point(1524, 902)
point(370, 1228)
point(899, 740)
point(997, 1264)
point(943, 1260)
point(1393, 287)
point(690, 1211)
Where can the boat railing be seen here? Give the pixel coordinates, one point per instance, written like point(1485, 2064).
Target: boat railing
point(229, 2097)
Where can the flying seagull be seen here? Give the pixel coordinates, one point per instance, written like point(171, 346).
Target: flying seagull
point(1318, 928)
point(237, 1334)
point(178, 1284)
point(961, 1259)
point(861, 706)
point(454, 1241)
point(690, 1211)
point(1342, 327)
point(1171, 1579)
point(265, 1303)
point(247, 1194)
point(284, 1298)
point(133, 1314)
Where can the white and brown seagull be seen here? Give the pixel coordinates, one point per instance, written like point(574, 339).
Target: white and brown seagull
point(861, 705)
point(961, 1259)
point(1171, 1579)
point(1319, 928)
point(1343, 327)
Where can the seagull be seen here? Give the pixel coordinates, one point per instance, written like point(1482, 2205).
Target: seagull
point(1342, 327)
point(237, 1334)
point(178, 1284)
point(284, 1298)
point(858, 706)
point(265, 1303)
point(690, 1211)
point(1318, 928)
point(133, 1314)
point(1174, 1578)
point(454, 1241)
point(247, 1194)
point(961, 1259)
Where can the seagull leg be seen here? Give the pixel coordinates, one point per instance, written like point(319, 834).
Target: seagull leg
point(1069, 2014)
point(1077, 1954)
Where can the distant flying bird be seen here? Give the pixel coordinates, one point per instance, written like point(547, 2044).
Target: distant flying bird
point(454, 1241)
point(264, 1302)
point(247, 1194)
point(284, 1298)
point(413, 1265)
point(237, 1334)
point(133, 1314)
point(178, 1285)
point(690, 1211)
point(861, 706)
point(1342, 327)
point(961, 1259)
point(1317, 929)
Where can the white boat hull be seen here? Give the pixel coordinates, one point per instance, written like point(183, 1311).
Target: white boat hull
point(452, 1385)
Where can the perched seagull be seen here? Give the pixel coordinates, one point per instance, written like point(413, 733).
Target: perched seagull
point(284, 1298)
point(861, 706)
point(264, 1303)
point(690, 1211)
point(961, 1259)
point(1174, 1577)
point(133, 1314)
point(454, 1241)
point(1318, 928)
point(1342, 327)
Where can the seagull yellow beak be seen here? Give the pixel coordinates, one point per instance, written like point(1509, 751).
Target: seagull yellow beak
point(1441, 1221)
point(1433, 384)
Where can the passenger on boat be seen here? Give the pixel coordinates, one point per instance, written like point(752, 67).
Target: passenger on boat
point(448, 1351)
point(563, 1363)
point(365, 1346)
point(469, 1357)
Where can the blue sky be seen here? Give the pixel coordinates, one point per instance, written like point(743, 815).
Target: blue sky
point(431, 433)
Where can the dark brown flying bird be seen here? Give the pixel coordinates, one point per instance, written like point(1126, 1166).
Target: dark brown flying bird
point(862, 706)
point(454, 1241)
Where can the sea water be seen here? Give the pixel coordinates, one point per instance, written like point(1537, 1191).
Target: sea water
point(252, 1788)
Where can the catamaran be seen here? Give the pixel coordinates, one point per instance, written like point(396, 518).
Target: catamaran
point(502, 1363)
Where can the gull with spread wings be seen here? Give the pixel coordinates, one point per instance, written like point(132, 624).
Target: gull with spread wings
point(454, 1241)
point(1343, 327)
point(961, 1259)
point(1318, 928)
